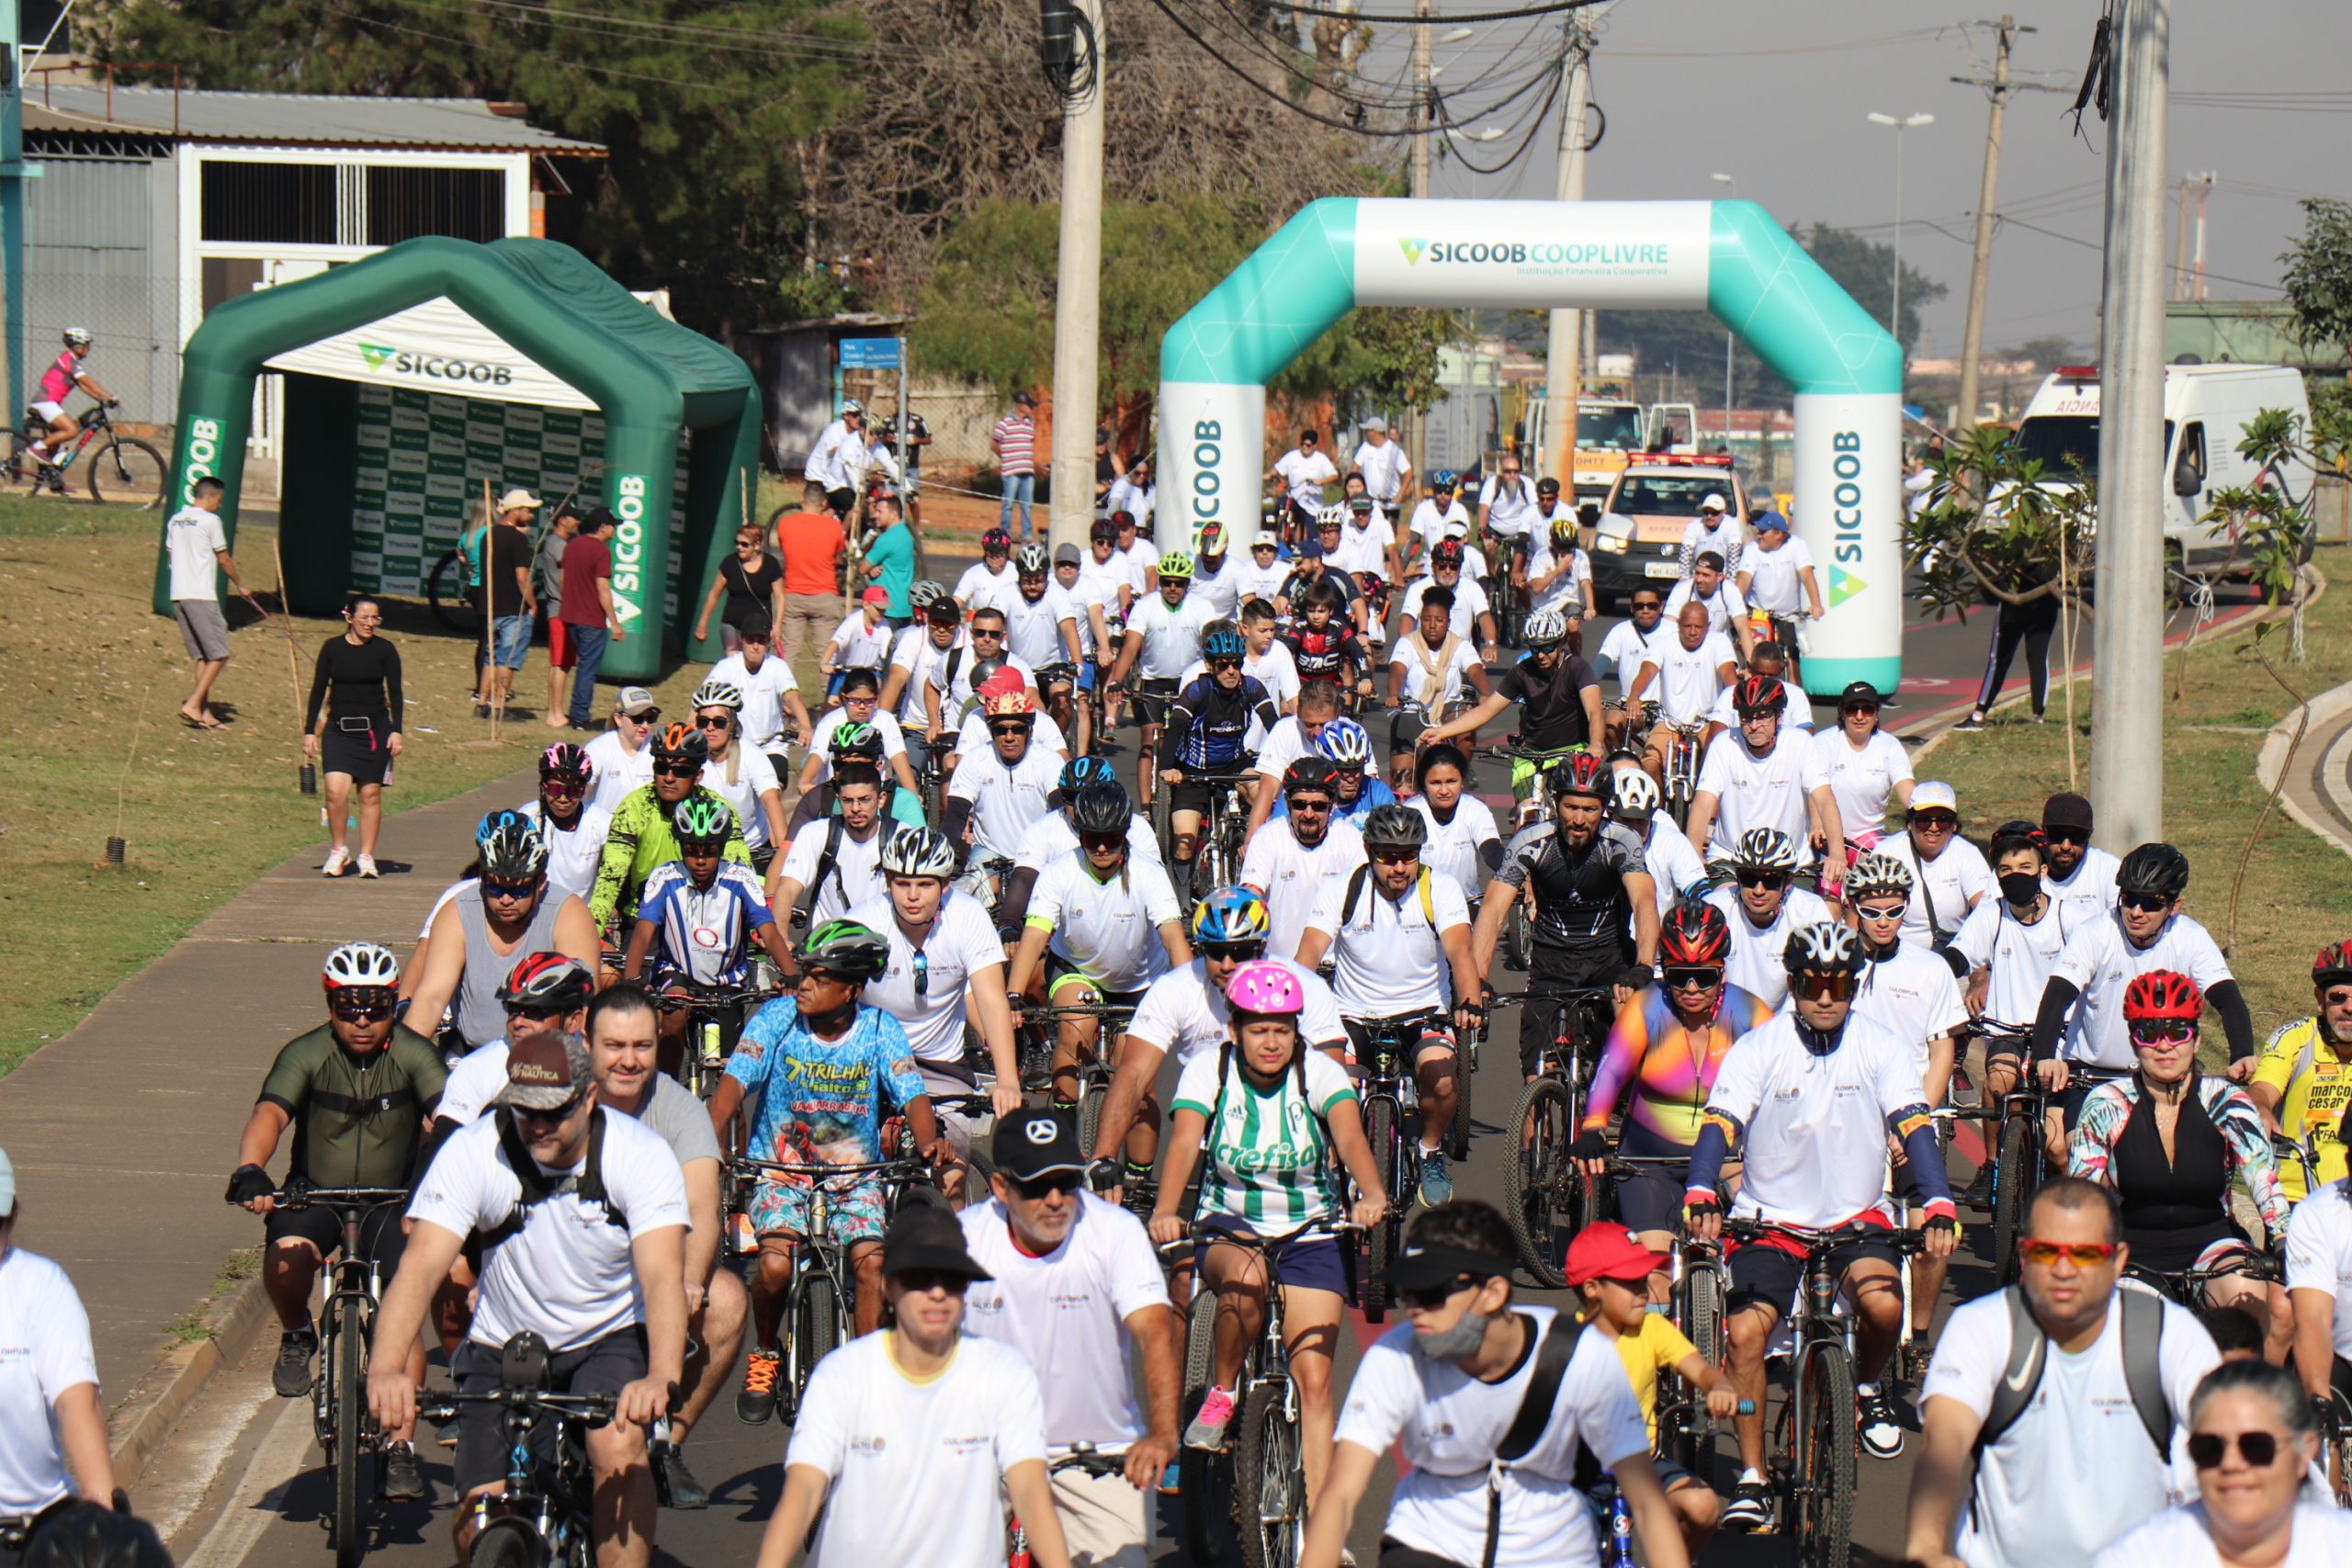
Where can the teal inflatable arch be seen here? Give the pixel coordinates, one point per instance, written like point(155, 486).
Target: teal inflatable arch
point(1728, 257)
point(573, 327)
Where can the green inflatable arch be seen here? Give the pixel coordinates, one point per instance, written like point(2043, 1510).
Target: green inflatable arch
point(652, 380)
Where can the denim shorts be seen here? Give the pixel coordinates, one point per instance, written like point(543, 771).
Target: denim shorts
point(512, 641)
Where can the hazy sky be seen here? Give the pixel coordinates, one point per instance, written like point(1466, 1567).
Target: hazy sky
point(1775, 96)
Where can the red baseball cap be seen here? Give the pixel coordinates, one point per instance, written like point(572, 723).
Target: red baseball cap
point(877, 595)
point(1608, 1252)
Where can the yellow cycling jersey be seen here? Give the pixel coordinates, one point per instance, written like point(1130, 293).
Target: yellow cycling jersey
point(2315, 1085)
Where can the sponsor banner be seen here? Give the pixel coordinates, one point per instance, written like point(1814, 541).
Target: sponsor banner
point(1532, 253)
point(1848, 511)
point(1212, 455)
point(436, 346)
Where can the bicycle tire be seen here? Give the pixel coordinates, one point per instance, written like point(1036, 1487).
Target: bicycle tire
point(1197, 1470)
point(1593, 1199)
point(507, 1543)
point(1831, 1455)
point(445, 589)
point(1379, 1130)
point(348, 1464)
point(129, 472)
point(1518, 941)
point(1530, 1180)
point(1457, 1132)
point(816, 1329)
point(2010, 1197)
point(1091, 1101)
point(1702, 1324)
point(1269, 1479)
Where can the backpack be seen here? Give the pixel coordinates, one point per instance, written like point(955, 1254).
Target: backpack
point(1355, 892)
point(2142, 1327)
point(828, 864)
point(539, 1186)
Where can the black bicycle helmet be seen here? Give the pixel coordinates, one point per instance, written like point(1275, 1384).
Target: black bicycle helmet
point(514, 851)
point(546, 982)
point(847, 950)
point(1101, 808)
point(2158, 869)
point(1396, 827)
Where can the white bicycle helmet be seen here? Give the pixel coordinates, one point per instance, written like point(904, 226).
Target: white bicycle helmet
point(1635, 797)
point(1331, 516)
point(1877, 874)
point(1765, 849)
point(1545, 628)
point(1347, 743)
point(717, 695)
point(1822, 948)
point(918, 851)
point(361, 964)
point(852, 406)
point(77, 337)
point(925, 592)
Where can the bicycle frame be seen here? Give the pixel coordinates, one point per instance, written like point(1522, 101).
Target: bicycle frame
point(818, 1255)
point(715, 1019)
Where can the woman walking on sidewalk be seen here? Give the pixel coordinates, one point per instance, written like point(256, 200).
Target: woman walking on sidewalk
point(357, 681)
point(2031, 623)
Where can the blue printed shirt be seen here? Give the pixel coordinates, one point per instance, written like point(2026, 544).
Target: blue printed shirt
point(821, 1102)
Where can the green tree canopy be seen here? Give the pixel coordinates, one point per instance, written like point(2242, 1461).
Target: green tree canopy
point(2318, 279)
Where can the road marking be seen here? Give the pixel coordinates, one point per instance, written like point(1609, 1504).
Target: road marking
point(253, 1508)
point(169, 1505)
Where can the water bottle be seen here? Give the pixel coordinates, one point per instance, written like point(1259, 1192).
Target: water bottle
point(1621, 1532)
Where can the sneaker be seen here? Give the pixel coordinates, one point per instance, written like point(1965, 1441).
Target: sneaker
point(756, 1401)
point(1750, 1508)
point(1882, 1433)
point(686, 1494)
point(403, 1478)
point(292, 1377)
point(367, 867)
point(1974, 722)
point(1207, 1430)
point(1437, 1177)
point(1978, 1193)
point(336, 861)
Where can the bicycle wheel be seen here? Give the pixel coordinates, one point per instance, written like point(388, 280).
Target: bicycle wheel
point(1379, 1130)
point(446, 589)
point(1536, 1183)
point(1199, 1478)
point(1269, 1478)
point(1702, 1324)
point(1518, 944)
point(130, 473)
point(1824, 1476)
point(2009, 1195)
point(507, 1543)
point(816, 1328)
point(1593, 1199)
point(1457, 1134)
point(1091, 1100)
point(348, 1464)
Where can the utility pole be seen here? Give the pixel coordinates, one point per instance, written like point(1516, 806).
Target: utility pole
point(13, 173)
point(2204, 189)
point(1077, 296)
point(1972, 347)
point(1416, 421)
point(2180, 245)
point(1564, 366)
point(2126, 770)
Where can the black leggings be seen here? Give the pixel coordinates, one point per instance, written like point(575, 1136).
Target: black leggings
point(2031, 624)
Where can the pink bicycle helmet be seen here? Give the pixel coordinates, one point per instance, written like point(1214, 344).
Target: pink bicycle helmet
point(1264, 988)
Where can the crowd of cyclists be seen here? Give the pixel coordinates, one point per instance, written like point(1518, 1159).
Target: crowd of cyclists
point(669, 1062)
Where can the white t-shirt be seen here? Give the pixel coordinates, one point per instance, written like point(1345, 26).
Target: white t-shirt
point(956, 691)
point(1673, 865)
point(1219, 589)
point(916, 1468)
point(568, 1273)
point(1448, 1424)
point(1303, 475)
point(1286, 743)
point(754, 776)
point(923, 660)
point(961, 946)
point(615, 772)
point(1688, 679)
point(856, 873)
point(1084, 593)
point(573, 852)
point(1391, 960)
point(1066, 1312)
point(763, 693)
point(820, 742)
point(1797, 711)
point(2179, 1537)
point(1046, 738)
point(190, 539)
point(1862, 782)
point(1454, 523)
point(45, 1351)
point(1183, 1015)
point(1755, 964)
point(1448, 676)
point(1627, 648)
point(1255, 582)
point(1362, 548)
point(1291, 875)
point(1109, 931)
point(1511, 505)
point(1469, 603)
point(1276, 671)
point(477, 1079)
point(1816, 1126)
point(1054, 838)
point(1140, 561)
point(1723, 605)
point(2077, 1466)
point(1032, 633)
point(1006, 802)
point(1727, 539)
point(2090, 892)
point(1914, 996)
point(2020, 956)
point(1453, 847)
point(1951, 879)
point(980, 589)
point(857, 646)
point(1171, 635)
point(1770, 791)
point(1566, 593)
point(1383, 468)
point(2100, 961)
point(2318, 1255)
point(1772, 585)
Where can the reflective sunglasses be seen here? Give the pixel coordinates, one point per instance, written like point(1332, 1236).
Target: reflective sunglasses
point(1393, 854)
point(2208, 1450)
point(1102, 843)
point(1235, 952)
point(363, 1006)
point(921, 967)
point(678, 770)
point(1822, 988)
point(1692, 977)
point(2081, 1254)
point(564, 789)
point(2161, 1031)
point(1763, 878)
point(922, 1282)
point(507, 889)
point(2144, 903)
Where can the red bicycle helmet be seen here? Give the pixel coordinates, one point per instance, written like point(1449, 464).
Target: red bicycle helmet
point(2334, 965)
point(1759, 694)
point(1446, 552)
point(1695, 935)
point(1316, 775)
point(2160, 994)
point(1581, 772)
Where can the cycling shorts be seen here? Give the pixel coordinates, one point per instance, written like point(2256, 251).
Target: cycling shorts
point(1152, 696)
point(601, 1366)
point(1307, 1262)
point(1771, 1276)
point(52, 412)
point(1201, 798)
point(1062, 978)
point(1428, 1031)
point(380, 1237)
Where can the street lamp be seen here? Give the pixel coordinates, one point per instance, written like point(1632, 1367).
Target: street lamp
point(1909, 122)
point(1724, 179)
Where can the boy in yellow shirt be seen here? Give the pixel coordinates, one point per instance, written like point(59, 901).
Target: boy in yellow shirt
point(1609, 1271)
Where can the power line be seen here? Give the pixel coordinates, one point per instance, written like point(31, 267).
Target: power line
point(1451, 19)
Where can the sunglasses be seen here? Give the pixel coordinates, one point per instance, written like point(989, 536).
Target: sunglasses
point(1641, 605)
point(1262, 549)
point(2144, 903)
point(549, 1117)
point(1238, 952)
point(1510, 473)
point(563, 789)
point(2065, 835)
point(1001, 731)
point(987, 631)
point(507, 889)
point(1315, 807)
point(2208, 1450)
point(2081, 1254)
point(1429, 1298)
point(364, 1008)
point(1040, 1187)
point(922, 1282)
point(1763, 878)
point(2161, 1031)
point(714, 721)
point(1693, 977)
point(677, 769)
point(1102, 843)
point(1883, 912)
point(1935, 823)
point(1388, 854)
point(863, 699)
point(921, 972)
point(1224, 664)
point(1822, 988)
point(651, 716)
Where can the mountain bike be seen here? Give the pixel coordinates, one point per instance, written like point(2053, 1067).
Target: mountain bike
point(123, 469)
point(1679, 786)
point(1224, 831)
point(1389, 1094)
point(2020, 1156)
point(1533, 807)
point(715, 1016)
point(1545, 1195)
point(1095, 1071)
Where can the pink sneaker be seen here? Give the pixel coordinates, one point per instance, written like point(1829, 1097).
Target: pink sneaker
point(1207, 1430)
point(336, 861)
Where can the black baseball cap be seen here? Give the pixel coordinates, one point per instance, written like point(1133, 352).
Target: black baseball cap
point(597, 517)
point(1037, 1143)
point(926, 1236)
point(2065, 810)
point(1859, 695)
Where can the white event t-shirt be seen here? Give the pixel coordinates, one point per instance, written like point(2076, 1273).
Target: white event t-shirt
point(44, 1350)
point(1453, 847)
point(1688, 679)
point(1390, 956)
point(2180, 1538)
point(763, 689)
point(1861, 781)
point(2100, 962)
point(1770, 791)
point(1816, 1126)
point(1772, 582)
point(854, 876)
point(1952, 880)
point(1626, 647)
point(1755, 966)
point(1183, 1015)
point(961, 943)
point(1913, 995)
point(615, 772)
point(2318, 1255)
point(1006, 801)
point(2019, 956)
point(1107, 931)
point(1291, 875)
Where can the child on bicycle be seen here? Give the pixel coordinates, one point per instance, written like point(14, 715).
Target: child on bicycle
point(821, 1063)
point(699, 914)
point(59, 382)
point(1274, 1123)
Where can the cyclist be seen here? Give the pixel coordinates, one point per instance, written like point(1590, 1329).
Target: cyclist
point(1814, 1094)
point(1299, 476)
point(1209, 721)
point(1663, 1054)
point(2080, 875)
point(997, 678)
point(1266, 658)
point(488, 924)
point(1264, 573)
point(1120, 576)
point(1768, 662)
point(1759, 778)
point(740, 775)
point(1271, 1124)
point(837, 865)
point(1462, 845)
point(699, 917)
point(1399, 939)
point(1449, 1386)
point(612, 1228)
point(1053, 836)
point(1300, 735)
point(1287, 864)
point(1950, 873)
point(1867, 767)
point(1676, 871)
point(991, 584)
point(1348, 746)
point(1507, 514)
point(861, 641)
point(997, 795)
point(1099, 926)
point(1184, 1011)
point(921, 651)
point(1559, 573)
point(572, 829)
point(956, 681)
point(1775, 573)
point(2319, 1292)
point(2303, 1083)
point(1586, 886)
point(1094, 609)
point(67, 374)
point(846, 740)
point(2006, 949)
point(56, 1448)
point(1428, 669)
point(1763, 910)
point(1322, 645)
point(1713, 532)
point(1559, 697)
point(1217, 580)
point(545, 993)
point(821, 1063)
point(640, 840)
point(1686, 674)
point(1708, 587)
point(1041, 629)
point(2171, 1140)
point(1437, 516)
point(1472, 615)
point(358, 1092)
point(1311, 573)
point(1165, 634)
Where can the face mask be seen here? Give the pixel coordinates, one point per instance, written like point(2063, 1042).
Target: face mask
point(1463, 1339)
point(2020, 888)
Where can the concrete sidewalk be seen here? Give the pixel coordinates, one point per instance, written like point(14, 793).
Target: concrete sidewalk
point(124, 1131)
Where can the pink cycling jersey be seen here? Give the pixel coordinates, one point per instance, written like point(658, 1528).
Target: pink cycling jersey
point(57, 381)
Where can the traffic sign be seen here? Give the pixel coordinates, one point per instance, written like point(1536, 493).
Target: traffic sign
point(871, 353)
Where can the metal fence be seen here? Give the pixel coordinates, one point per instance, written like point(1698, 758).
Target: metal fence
point(99, 235)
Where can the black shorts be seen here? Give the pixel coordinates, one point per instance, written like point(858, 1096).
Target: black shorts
point(380, 1237)
point(840, 502)
point(1426, 1031)
point(1771, 1276)
point(1058, 969)
point(1651, 1198)
point(1152, 696)
point(1560, 969)
point(601, 1366)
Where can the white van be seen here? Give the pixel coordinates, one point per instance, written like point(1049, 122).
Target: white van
point(2206, 410)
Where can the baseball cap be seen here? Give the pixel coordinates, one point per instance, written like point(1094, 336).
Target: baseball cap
point(8, 1185)
point(1608, 1252)
point(925, 1236)
point(875, 594)
point(1858, 693)
point(1067, 554)
point(1037, 1143)
point(597, 517)
point(635, 701)
point(1710, 501)
point(1309, 546)
point(519, 498)
point(1421, 1266)
point(1934, 795)
point(2065, 810)
point(1377, 423)
point(1771, 523)
point(1024, 400)
point(544, 1072)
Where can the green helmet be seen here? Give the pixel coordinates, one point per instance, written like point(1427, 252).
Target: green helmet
point(856, 739)
point(1176, 563)
point(845, 950)
point(703, 819)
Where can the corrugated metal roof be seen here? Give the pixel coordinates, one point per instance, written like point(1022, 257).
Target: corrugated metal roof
point(287, 119)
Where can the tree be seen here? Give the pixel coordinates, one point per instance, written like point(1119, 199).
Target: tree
point(2318, 278)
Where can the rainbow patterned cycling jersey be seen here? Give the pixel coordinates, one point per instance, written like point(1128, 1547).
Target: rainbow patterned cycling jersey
point(1670, 1079)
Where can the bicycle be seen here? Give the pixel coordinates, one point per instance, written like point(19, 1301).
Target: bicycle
point(2020, 1157)
point(339, 1395)
point(1217, 859)
point(1389, 1094)
point(1788, 630)
point(1535, 806)
point(1680, 786)
point(449, 588)
point(2186, 1287)
point(132, 470)
point(1094, 1067)
point(1057, 682)
point(1082, 1456)
point(715, 1016)
point(1545, 1196)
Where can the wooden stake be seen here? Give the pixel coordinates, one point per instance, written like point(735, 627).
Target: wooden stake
point(293, 659)
point(490, 614)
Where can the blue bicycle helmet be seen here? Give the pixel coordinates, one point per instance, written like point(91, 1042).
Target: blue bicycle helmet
point(1229, 915)
point(1346, 742)
point(1223, 645)
point(1079, 772)
point(505, 817)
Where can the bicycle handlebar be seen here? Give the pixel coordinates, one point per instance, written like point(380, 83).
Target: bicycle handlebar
point(1086, 1457)
point(1820, 1239)
point(1203, 1231)
point(595, 1409)
point(902, 1167)
point(717, 996)
point(296, 1195)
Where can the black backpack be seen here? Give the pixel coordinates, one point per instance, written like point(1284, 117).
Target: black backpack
point(539, 1186)
point(2142, 1324)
